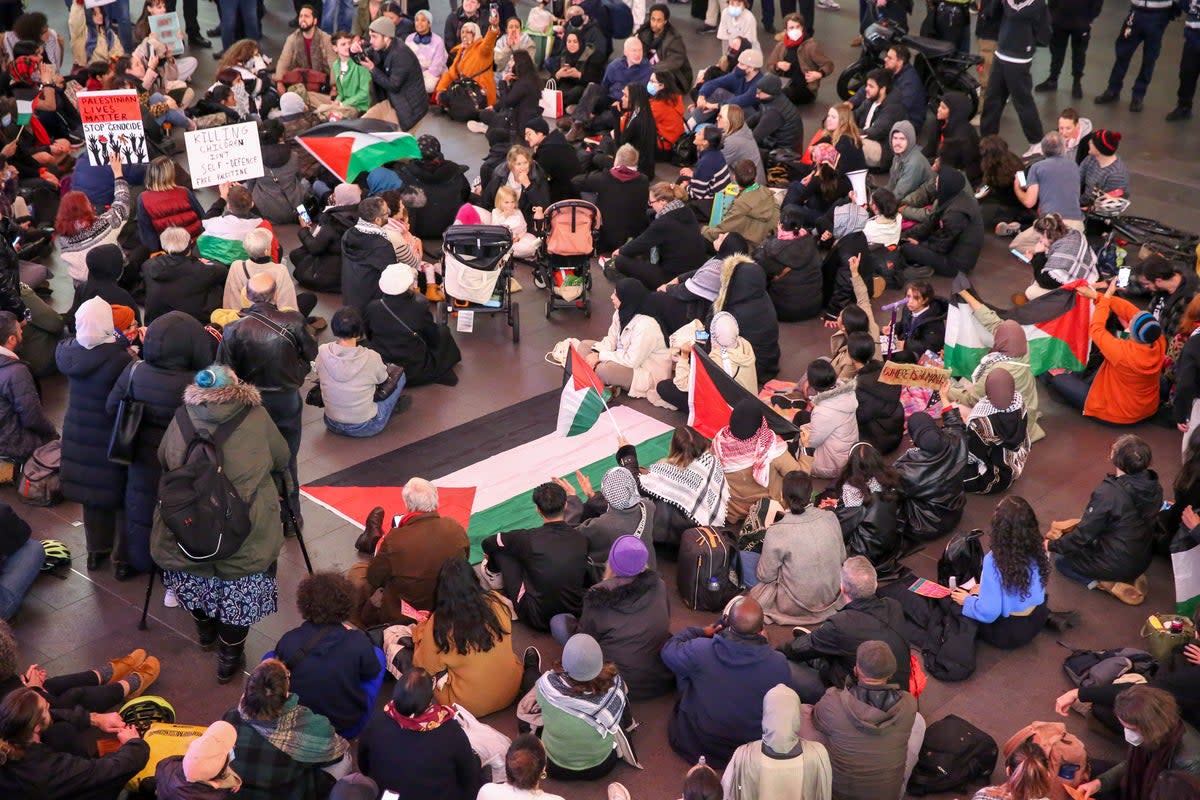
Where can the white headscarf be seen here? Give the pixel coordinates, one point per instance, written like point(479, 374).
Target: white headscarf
point(94, 323)
point(724, 332)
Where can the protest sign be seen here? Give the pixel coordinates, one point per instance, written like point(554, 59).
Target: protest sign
point(112, 123)
point(97, 3)
point(224, 154)
point(913, 375)
point(166, 28)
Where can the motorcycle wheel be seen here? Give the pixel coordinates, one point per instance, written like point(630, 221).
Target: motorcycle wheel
point(963, 82)
point(852, 79)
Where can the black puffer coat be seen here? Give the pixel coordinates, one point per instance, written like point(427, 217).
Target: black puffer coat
point(397, 79)
point(793, 268)
point(365, 255)
point(317, 262)
point(443, 188)
point(927, 332)
point(744, 294)
point(873, 530)
point(178, 282)
point(880, 413)
point(88, 477)
point(631, 619)
point(175, 349)
point(1114, 539)
point(931, 483)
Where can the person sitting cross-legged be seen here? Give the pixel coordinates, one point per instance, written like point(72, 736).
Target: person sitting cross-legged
point(783, 764)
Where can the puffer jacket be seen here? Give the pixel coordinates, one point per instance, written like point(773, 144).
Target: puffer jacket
point(873, 530)
point(1114, 539)
point(264, 357)
point(317, 262)
point(169, 208)
point(175, 348)
point(278, 191)
point(365, 255)
point(88, 477)
point(743, 293)
point(179, 282)
point(252, 454)
point(833, 429)
point(793, 267)
point(957, 140)
point(955, 230)
point(754, 214)
point(398, 77)
point(23, 424)
point(537, 193)
point(927, 332)
point(931, 483)
point(880, 412)
point(444, 187)
point(631, 619)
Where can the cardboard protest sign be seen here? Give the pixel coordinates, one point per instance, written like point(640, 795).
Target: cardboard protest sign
point(166, 28)
point(913, 375)
point(224, 154)
point(112, 123)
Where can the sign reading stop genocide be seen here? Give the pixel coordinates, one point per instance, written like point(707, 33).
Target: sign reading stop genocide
point(112, 123)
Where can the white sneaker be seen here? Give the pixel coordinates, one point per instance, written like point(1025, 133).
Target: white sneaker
point(832, 5)
point(475, 126)
point(169, 599)
point(617, 791)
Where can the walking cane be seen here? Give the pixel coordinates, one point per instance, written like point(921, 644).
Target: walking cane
point(292, 528)
point(142, 625)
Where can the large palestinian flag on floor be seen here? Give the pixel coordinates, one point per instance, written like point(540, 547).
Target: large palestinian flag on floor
point(1055, 324)
point(486, 468)
point(712, 394)
point(351, 153)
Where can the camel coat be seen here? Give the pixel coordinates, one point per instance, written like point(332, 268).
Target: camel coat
point(474, 62)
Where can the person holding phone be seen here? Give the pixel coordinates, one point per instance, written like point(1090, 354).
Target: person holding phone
point(1060, 255)
point(1052, 187)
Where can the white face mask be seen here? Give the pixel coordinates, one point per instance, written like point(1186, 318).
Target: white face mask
point(794, 34)
point(1133, 737)
point(735, 11)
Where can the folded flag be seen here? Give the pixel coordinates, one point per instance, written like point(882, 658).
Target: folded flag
point(712, 394)
point(223, 236)
point(1185, 563)
point(24, 97)
point(348, 154)
point(1055, 325)
point(583, 396)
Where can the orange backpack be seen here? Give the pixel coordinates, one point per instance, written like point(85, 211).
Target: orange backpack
point(1062, 748)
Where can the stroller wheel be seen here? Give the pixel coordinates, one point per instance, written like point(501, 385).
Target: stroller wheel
point(549, 306)
point(539, 279)
point(515, 321)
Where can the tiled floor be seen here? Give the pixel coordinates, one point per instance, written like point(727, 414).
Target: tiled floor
point(70, 624)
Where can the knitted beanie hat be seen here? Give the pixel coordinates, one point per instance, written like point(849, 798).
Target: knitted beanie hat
point(1145, 328)
point(628, 556)
point(1106, 141)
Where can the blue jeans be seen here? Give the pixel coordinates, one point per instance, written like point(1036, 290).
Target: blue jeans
point(337, 15)
point(383, 412)
point(1065, 568)
point(174, 116)
point(17, 575)
point(230, 11)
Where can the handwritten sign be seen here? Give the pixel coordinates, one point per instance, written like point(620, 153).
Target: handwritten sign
point(112, 123)
point(913, 375)
point(224, 154)
point(97, 3)
point(166, 28)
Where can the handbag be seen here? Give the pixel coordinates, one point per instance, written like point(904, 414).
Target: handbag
point(311, 79)
point(386, 389)
point(125, 427)
point(552, 100)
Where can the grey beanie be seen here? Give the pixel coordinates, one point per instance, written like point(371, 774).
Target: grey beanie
point(582, 658)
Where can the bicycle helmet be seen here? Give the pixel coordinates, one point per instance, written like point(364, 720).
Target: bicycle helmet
point(142, 712)
point(1108, 206)
point(58, 557)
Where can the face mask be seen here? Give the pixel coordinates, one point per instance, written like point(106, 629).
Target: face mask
point(735, 11)
point(576, 22)
point(651, 88)
point(794, 34)
point(1134, 738)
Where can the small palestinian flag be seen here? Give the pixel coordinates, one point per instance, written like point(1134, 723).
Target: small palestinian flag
point(351, 153)
point(25, 97)
point(583, 396)
point(1055, 325)
point(712, 394)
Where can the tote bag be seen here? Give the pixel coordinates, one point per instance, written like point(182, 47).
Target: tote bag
point(552, 100)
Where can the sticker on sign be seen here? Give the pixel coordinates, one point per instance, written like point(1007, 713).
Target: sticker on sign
point(225, 154)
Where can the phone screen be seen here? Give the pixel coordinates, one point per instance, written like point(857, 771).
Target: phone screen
point(1123, 277)
point(302, 212)
point(1020, 255)
point(390, 796)
point(1021, 179)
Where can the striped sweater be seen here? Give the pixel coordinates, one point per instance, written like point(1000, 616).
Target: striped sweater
point(104, 230)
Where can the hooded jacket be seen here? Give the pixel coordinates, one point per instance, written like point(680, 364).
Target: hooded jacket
point(178, 282)
point(955, 228)
point(1113, 541)
point(711, 723)
point(50, 775)
point(171, 784)
point(799, 573)
point(348, 377)
point(910, 169)
point(927, 332)
point(631, 620)
point(833, 429)
point(254, 452)
point(782, 766)
point(871, 726)
point(793, 268)
point(317, 262)
point(836, 640)
point(957, 140)
point(104, 272)
point(754, 214)
point(676, 234)
point(175, 347)
point(365, 255)
point(1024, 25)
point(279, 191)
point(931, 482)
point(743, 293)
point(1126, 387)
point(880, 412)
point(444, 187)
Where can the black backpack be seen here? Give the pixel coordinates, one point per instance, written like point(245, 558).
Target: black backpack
point(197, 501)
point(962, 559)
point(954, 754)
point(462, 100)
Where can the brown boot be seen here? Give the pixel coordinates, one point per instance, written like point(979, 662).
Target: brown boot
point(576, 134)
point(1131, 594)
point(372, 532)
point(125, 664)
point(147, 673)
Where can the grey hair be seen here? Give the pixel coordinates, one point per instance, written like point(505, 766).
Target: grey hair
point(1053, 144)
point(859, 580)
point(420, 495)
point(632, 42)
point(257, 242)
point(264, 296)
point(175, 240)
point(627, 156)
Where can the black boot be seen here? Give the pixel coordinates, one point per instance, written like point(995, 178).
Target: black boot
point(214, 31)
point(230, 660)
point(1077, 88)
point(1048, 85)
point(206, 632)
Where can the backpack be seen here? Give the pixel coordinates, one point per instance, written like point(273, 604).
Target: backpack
point(41, 484)
point(954, 754)
point(683, 152)
point(1102, 667)
point(1065, 751)
point(462, 100)
point(197, 501)
point(962, 559)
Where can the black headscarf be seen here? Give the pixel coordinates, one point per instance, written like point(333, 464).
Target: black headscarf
point(925, 434)
point(746, 418)
point(632, 294)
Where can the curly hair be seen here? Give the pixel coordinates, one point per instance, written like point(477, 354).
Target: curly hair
point(597, 685)
point(999, 164)
point(1016, 541)
point(464, 613)
point(8, 652)
point(325, 598)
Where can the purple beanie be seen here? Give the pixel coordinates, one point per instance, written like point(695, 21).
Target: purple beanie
point(628, 556)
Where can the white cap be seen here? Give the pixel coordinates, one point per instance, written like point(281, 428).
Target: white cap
point(397, 279)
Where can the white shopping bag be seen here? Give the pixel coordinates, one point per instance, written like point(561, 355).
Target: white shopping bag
point(552, 101)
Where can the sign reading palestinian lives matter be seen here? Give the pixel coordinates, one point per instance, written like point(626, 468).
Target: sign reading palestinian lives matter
point(112, 123)
point(224, 154)
point(913, 375)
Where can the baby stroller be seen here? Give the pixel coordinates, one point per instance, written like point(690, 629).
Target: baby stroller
point(564, 264)
point(476, 268)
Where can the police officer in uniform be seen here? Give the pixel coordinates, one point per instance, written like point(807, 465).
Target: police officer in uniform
point(1189, 63)
point(1145, 25)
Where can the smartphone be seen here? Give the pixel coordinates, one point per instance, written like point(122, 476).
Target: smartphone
point(1021, 179)
point(302, 212)
point(1020, 255)
point(16, 243)
point(1123, 277)
point(494, 9)
point(390, 796)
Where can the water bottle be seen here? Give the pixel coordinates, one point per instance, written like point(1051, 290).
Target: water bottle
point(702, 762)
point(714, 585)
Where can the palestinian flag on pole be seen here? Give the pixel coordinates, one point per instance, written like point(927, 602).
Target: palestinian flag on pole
point(1185, 563)
point(584, 398)
point(712, 394)
point(25, 97)
point(1055, 325)
point(350, 153)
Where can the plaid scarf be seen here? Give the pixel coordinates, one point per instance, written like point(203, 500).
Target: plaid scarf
point(698, 490)
point(755, 453)
point(602, 712)
point(300, 734)
point(669, 207)
point(430, 719)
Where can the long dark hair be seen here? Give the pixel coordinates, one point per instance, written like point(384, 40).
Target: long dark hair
point(639, 98)
point(999, 164)
point(463, 611)
point(829, 183)
point(866, 462)
point(523, 68)
point(1189, 473)
point(1016, 541)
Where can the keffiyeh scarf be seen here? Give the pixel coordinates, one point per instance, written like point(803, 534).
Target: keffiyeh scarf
point(602, 712)
point(755, 453)
point(699, 490)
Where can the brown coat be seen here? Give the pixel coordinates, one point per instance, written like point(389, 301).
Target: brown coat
point(744, 490)
point(408, 560)
point(482, 682)
point(809, 55)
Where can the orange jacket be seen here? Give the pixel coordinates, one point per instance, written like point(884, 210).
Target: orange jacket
point(474, 62)
point(1126, 388)
point(668, 120)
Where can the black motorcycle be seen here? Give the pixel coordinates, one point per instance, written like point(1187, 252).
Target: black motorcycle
point(940, 65)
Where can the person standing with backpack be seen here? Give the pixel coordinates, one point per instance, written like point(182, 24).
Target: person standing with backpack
point(220, 566)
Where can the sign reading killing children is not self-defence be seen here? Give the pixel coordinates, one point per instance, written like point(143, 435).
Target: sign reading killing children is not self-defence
point(112, 123)
point(225, 154)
